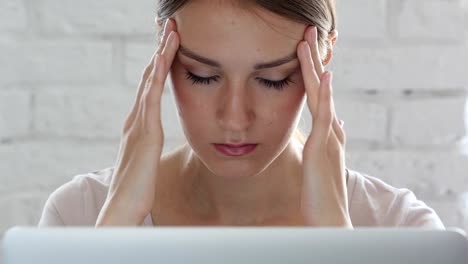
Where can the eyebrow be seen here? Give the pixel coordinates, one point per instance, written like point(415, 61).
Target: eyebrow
point(275, 63)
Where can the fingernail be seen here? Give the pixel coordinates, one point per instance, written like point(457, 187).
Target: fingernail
point(341, 123)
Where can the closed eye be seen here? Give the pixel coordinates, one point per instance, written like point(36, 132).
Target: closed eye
point(278, 85)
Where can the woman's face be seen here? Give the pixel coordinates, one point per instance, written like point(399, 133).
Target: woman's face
point(228, 97)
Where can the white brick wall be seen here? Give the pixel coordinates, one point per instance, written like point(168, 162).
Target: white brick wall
point(364, 19)
point(104, 17)
point(136, 55)
point(431, 19)
point(70, 70)
point(392, 68)
point(12, 16)
point(18, 102)
point(33, 62)
point(89, 112)
point(425, 122)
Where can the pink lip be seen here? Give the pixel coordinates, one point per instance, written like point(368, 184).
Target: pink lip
point(235, 150)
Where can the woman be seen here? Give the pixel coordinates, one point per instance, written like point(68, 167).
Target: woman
point(241, 72)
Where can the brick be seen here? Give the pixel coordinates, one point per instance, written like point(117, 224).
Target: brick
point(137, 57)
point(430, 19)
point(430, 175)
point(393, 69)
point(428, 122)
point(96, 113)
point(55, 61)
point(13, 17)
point(43, 165)
point(361, 19)
point(15, 113)
point(22, 208)
point(97, 17)
point(364, 122)
point(87, 112)
point(46, 164)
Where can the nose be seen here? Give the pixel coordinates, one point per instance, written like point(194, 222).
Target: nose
point(235, 112)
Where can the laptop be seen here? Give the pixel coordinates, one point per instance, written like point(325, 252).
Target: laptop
point(229, 245)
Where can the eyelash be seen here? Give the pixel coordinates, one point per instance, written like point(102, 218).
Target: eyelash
point(278, 85)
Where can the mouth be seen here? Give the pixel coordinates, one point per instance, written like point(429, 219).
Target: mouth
point(235, 150)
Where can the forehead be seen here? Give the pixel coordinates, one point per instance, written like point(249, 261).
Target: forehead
point(229, 33)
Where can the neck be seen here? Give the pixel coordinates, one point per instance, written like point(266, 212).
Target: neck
point(270, 194)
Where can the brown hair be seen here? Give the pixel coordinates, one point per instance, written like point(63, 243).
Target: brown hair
point(319, 13)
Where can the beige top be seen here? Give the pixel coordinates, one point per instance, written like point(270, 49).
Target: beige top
point(372, 202)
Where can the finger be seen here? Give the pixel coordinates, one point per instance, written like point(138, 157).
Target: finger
point(337, 130)
point(153, 93)
point(141, 86)
point(311, 80)
point(146, 100)
point(168, 39)
point(341, 134)
point(167, 56)
point(337, 127)
point(168, 26)
point(322, 124)
point(311, 37)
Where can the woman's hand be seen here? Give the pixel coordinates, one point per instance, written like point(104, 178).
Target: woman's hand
point(324, 198)
point(132, 189)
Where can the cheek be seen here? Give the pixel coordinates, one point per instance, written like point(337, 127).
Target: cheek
point(284, 108)
point(191, 105)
